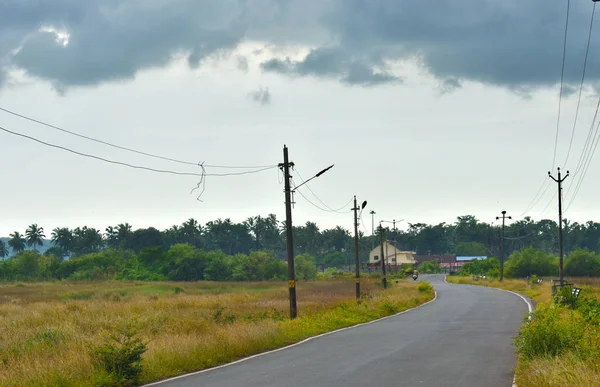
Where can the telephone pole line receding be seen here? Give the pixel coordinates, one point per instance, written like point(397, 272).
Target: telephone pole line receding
point(356, 260)
point(289, 234)
point(560, 228)
point(502, 244)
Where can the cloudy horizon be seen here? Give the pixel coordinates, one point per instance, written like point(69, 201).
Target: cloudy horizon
point(428, 113)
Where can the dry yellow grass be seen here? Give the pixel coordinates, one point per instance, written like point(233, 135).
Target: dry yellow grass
point(46, 329)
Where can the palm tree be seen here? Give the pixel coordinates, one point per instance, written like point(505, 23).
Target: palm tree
point(17, 242)
point(3, 249)
point(35, 236)
point(63, 238)
point(112, 237)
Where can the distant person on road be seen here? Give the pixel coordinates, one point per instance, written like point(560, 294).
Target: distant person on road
point(415, 272)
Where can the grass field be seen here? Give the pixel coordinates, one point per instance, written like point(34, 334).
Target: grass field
point(570, 330)
point(48, 330)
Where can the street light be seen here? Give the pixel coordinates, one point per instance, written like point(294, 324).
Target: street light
point(286, 165)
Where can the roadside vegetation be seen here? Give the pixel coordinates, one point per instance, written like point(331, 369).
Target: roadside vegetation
point(128, 333)
point(560, 345)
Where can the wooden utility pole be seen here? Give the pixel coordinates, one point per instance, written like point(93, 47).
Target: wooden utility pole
point(356, 260)
point(289, 234)
point(502, 245)
point(560, 228)
point(383, 277)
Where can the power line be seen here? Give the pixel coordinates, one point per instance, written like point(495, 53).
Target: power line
point(562, 74)
point(537, 197)
point(131, 165)
point(593, 147)
point(587, 50)
point(125, 148)
point(329, 209)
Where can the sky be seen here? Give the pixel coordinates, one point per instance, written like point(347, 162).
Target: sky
point(428, 111)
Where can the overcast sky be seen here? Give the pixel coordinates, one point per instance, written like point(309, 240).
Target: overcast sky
point(429, 110)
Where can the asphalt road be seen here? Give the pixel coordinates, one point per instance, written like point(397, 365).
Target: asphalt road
point(464, 338)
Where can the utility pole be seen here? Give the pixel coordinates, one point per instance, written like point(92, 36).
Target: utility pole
point(372, 222)
point(356, 263)
point(285, 166)
point(560, 228)
point(502, 245)
point(384, 279)
point(395, 250)
point(289, 235)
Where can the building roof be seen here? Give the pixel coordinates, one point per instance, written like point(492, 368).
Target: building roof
point(469, 258)
point(442, 258)
point(393, 244)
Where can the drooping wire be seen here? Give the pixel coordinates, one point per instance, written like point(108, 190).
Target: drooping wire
point(329, 209)
point(562, 75)
point(131, 165)
point(201, 182)
point(537, 197)
point(587, 50)
point(125, 148)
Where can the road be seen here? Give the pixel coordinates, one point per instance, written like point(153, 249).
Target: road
point(463, 338)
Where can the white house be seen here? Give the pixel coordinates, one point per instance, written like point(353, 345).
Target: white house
point(394, 255)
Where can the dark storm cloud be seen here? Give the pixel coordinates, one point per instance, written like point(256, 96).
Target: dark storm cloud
point(333, 63)
point(511, 43)
point(114, 39)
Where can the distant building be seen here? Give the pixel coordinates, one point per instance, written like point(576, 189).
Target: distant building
point(393, 254)
point(469, 258)
point(440, 259)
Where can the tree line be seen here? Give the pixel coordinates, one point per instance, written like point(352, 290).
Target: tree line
point(530, 261)
point(335, 246)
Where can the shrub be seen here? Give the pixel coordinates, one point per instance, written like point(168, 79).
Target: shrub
point(552, 331)
point(118, 360)
point(425, 287)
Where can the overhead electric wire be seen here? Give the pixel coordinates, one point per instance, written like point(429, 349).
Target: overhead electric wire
point(308, 200)
point(537, 197)
point(131, 165)
point(587, 50)
point(562, 75)
point(126, 148)
point(339, 210)
point(593, 147)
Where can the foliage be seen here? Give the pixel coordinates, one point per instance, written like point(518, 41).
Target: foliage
point(482, 267)
point(473, 249)
point(305, 268)
point(529, 261)
point(425, 287)
point(119, 358)
point(581, 263)
point(430, 267)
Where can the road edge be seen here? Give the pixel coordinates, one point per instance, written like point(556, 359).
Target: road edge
point(435, 295)
point(521, 296)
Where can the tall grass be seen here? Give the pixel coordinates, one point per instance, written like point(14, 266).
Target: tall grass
point(47, 329)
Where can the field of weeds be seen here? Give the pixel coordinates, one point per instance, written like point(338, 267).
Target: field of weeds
point(50, 332)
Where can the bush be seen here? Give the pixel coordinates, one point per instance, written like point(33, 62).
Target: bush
point(425, 287)
point(530, 261)
point(552, 331)
point(118, 360)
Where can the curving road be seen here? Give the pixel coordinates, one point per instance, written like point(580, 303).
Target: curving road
point(463, 338)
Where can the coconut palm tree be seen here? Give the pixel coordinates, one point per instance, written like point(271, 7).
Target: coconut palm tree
point(3, 249)
point(63, 238)
point(17, 242)
point(35, 236)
